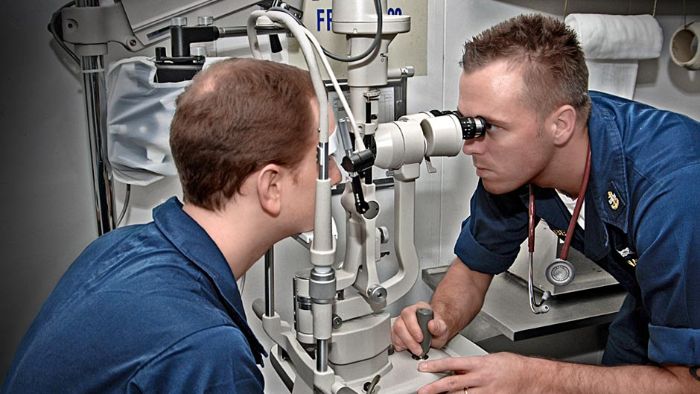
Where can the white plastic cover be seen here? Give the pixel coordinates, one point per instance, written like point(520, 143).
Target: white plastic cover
point(139, 112)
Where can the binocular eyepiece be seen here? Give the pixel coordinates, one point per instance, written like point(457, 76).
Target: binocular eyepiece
point(472, 127)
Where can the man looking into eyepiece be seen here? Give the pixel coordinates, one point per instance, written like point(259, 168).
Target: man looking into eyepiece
point(155, 307)
point(528, 79)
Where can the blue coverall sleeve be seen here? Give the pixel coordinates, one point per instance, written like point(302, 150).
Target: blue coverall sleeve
point(491, 236)
point(215, 360)
point(668, 270)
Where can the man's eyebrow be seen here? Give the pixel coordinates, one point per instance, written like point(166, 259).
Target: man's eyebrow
point(487, 118)
point(496, 121)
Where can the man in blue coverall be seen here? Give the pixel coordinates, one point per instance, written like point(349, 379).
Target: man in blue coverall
point(528, 79)
point(155, 307)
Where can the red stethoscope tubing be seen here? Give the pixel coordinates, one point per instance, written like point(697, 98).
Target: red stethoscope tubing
point(574, 217)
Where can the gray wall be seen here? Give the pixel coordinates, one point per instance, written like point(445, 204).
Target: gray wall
point(45, 195)
point(45, 191)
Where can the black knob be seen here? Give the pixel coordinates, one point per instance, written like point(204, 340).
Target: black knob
point(424, 315)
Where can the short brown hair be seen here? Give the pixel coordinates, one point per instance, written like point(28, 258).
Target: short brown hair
point(553, 64)
point(236, 117)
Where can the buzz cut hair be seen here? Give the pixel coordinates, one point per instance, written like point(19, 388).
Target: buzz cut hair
point(549, 54)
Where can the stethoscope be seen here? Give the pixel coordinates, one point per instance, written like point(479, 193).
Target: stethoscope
point(561, 272)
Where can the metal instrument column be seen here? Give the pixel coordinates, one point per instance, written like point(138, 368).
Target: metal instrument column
point(270, 282)
point(92, 68)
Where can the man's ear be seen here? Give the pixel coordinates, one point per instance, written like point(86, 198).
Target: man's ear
point(269, 188)
point(562, 123)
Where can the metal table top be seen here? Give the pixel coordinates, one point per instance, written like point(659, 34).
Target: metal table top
point(506, 307)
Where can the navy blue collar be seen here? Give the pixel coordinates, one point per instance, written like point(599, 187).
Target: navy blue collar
point(607, 195)
point(192, 241)
point(609, 181)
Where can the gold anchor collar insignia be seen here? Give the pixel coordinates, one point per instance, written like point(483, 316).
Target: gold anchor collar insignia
point(613, 200)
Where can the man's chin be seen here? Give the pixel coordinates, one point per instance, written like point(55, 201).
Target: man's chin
point(498, 188)
point(306, 236)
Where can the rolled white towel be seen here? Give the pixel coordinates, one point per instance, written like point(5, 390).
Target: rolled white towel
point(617, 36)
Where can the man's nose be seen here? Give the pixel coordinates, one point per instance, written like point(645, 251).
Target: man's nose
point(473, 146)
